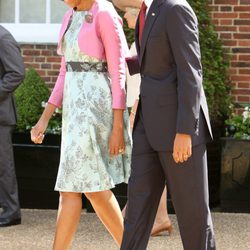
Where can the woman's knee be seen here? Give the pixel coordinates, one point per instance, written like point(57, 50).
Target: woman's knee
point(66, 196)
point(98, 196)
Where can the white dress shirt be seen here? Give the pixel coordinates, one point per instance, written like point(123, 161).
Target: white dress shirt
point(148, 3)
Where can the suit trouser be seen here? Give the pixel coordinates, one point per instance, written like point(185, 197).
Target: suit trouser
point(8, 184)
point(188, 185)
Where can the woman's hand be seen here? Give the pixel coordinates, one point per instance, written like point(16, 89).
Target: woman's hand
point(131, 121)
point(116, 142)
point(37, 132)
point(116, 139)
point(132, 114)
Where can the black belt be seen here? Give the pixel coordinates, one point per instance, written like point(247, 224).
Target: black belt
point(86, 67)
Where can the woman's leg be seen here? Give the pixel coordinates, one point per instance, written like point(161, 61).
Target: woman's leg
point(162, 212)
point(108, 210)
point(162, 220)
point(69, 212)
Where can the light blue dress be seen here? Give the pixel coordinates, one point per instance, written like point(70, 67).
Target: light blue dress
point(85, 163)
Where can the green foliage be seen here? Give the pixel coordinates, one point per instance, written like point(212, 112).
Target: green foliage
point(238, 126)
point(215, 63)
point(30, 97)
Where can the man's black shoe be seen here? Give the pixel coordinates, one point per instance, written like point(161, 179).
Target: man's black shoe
point(9, 222)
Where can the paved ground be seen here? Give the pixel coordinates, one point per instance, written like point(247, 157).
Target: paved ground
point(36, 233)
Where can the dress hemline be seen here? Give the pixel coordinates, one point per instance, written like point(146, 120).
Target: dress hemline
point(91, 191)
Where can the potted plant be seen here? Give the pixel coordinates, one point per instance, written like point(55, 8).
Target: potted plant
point(235, 170)
point(36, 165)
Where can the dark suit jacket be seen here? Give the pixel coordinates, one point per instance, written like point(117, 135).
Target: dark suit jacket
point(11, 74)
point(172, 98)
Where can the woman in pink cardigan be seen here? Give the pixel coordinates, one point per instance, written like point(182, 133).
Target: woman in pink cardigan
point(96, 148)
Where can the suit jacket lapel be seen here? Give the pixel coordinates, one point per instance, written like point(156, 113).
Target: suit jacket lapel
point(150, 19)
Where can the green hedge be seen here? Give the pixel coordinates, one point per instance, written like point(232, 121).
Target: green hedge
point(31, 97)
point(215, 63)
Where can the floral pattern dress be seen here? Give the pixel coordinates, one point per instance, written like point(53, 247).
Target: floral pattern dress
point(85, 163)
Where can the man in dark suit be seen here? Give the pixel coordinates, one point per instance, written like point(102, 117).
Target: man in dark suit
point(171, 127)
point(11, 74)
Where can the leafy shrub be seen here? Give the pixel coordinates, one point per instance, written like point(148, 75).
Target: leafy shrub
point(30, 97)
point(215, 64)
point(238, 126)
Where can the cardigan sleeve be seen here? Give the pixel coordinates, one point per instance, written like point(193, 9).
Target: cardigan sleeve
point(56, 96)
point(116, 50)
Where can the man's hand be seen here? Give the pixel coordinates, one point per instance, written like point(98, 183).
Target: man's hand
point(182, 148)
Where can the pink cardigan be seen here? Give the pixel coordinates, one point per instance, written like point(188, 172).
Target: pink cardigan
point(104, 39)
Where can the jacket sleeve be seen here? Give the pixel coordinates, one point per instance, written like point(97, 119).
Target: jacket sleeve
point(116, 50)
point(56, 96)
point(182, 29)
point(12, 64)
